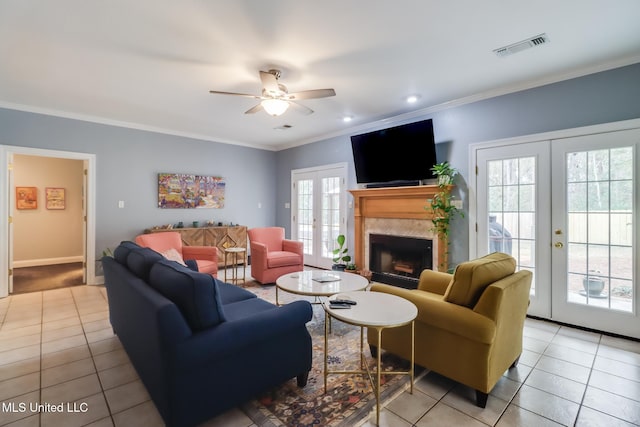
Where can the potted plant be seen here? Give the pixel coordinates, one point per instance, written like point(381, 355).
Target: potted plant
point(351, 268)
point(341, 254)
point(444, 211)
point(444, 172)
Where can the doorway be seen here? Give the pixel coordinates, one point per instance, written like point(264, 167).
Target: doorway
point(8, 209)
point(566, 209)
point(318, 214)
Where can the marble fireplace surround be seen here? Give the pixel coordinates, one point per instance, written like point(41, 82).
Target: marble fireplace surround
point(399, 211)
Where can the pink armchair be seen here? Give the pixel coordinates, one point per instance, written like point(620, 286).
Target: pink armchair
point(272, 255)
point(206, 257)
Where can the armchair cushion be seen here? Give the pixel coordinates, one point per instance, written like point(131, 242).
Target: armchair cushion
point(196, 295)
point(282, 258)
point(472, 277)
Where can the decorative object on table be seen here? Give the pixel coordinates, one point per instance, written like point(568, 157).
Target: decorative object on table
point(341, 254)
point(26, 198)
point(180, 225)
point(183, 191)
point(441, 204)
point(195, 224)
point(54, 198)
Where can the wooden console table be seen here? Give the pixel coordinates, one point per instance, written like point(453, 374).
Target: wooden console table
point(222, 237)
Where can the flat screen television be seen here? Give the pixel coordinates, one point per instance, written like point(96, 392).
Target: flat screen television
point(402, 154)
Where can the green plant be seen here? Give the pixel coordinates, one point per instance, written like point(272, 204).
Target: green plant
point(444, 211)
point(351, 266)
point(107, 252)
point(341, 253)
point(445, 173)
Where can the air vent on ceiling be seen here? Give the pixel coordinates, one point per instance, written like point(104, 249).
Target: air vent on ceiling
point(522, 45)
point(283, 127)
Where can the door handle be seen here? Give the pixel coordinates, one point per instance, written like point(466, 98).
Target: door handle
point(559, 245)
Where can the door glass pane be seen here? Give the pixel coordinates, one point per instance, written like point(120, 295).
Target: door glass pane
point(512, 210)
point(330, 214)
point(305, 215)
point(600, 216)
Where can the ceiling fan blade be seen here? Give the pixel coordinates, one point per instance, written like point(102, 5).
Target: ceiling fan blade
point(269, 82)
point(310, 94)
point(255, 109)
point(302, 108)
point(246, 95)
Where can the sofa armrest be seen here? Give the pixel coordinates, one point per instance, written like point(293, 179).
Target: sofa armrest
point(209, 253)
point(292, 246)
point(434, 281)
point(259, 254)
point(233, 337)
point(432, 310)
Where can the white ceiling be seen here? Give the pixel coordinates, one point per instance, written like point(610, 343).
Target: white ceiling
point(149, 64)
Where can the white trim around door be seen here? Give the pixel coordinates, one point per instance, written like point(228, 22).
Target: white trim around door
point(6, 203)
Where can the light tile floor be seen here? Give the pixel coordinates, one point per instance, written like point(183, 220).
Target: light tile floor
point(58, 347)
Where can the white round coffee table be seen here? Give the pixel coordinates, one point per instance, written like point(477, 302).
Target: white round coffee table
point(378, 311)
point(320, 283)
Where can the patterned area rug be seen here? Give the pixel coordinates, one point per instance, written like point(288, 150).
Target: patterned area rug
point(349, 400)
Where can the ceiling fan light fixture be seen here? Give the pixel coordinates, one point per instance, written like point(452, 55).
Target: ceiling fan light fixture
point(275, 107)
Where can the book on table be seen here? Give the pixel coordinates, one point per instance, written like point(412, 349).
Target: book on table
point(325, 278)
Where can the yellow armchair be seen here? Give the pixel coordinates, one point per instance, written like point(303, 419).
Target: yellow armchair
point(469, 324)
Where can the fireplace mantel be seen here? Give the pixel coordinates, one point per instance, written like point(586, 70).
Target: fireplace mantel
point(394, 202)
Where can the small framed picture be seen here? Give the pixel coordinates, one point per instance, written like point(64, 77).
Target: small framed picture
point(26, 197)
point(54, 198)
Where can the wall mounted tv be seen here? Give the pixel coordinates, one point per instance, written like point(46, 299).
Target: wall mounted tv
point(401, 155)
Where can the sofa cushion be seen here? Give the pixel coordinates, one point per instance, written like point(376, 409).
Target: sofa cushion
point(472, 277)
point(282, 258)
point(230, 293)
point(196, 294)
point(141, 260)
point(121, 253)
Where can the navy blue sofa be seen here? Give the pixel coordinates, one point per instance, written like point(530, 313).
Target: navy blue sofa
point(201, 346)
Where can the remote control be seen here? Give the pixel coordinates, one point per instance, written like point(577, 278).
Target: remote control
point(339, 306)
point(343, 301)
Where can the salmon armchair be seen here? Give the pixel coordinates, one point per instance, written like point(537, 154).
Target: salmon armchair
point(272, 255)
point(469, 325)
point(169, 242)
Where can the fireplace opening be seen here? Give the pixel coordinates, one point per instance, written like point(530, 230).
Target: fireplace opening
point(399, 260)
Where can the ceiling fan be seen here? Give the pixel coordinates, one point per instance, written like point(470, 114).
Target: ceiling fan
point(275, 98)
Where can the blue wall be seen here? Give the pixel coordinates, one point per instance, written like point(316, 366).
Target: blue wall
point(128, 160)
point(594, 99)
point(127, 164)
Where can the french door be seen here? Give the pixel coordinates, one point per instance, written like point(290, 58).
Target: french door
point(318, 213)
point(566, 209)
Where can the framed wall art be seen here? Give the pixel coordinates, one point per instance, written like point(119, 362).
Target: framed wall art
point(55, 198)
point(26, 198)
point(183, 191)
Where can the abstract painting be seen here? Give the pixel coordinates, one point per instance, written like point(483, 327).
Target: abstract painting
point(183, 191)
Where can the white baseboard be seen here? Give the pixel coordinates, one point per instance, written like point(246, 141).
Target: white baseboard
point(47, 261)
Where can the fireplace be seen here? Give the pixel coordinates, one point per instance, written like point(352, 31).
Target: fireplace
point(399, 260)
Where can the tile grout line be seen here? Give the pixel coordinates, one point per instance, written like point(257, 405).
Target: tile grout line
point(93, 361)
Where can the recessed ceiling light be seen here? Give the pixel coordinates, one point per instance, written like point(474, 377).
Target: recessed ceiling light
point(411, 99)
point(347, 119)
